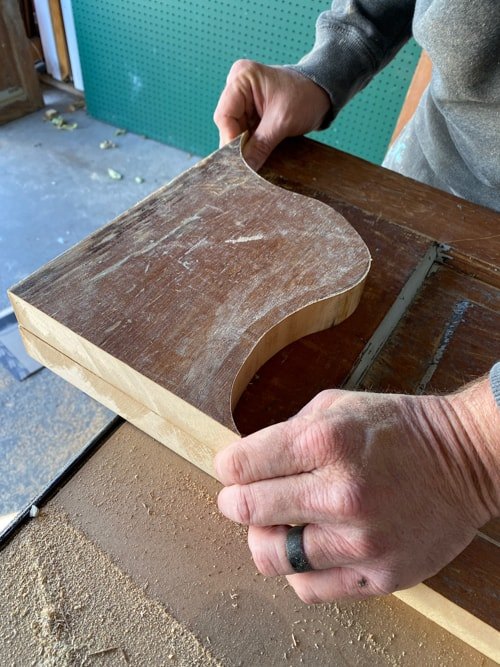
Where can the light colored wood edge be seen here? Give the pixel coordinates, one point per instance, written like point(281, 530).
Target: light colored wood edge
point(60, 38)
point(121, 376)
point(61, 85)
point(459, 622)
point(423, 599)
point(315, 317)
point(419, 83)
point(197, 451)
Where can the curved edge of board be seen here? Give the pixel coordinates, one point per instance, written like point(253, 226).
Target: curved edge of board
point(312, 318)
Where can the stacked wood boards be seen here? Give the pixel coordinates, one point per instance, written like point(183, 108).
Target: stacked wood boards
point(166, 313)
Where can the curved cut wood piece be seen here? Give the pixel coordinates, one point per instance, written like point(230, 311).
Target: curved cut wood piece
point(178, 301)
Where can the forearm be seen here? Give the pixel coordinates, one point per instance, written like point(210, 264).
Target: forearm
point(479, 414)
point(355, 40)
point(466, 429)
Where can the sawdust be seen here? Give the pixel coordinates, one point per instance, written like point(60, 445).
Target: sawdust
point(156, 517)
point(87, 614)
point(131, 561)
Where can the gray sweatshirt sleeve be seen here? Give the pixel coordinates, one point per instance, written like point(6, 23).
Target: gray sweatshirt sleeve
point(495, 382)
point(354, 40)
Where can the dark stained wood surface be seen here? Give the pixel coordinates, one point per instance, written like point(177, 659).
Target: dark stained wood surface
point(449, 336)
point(323, 360)
point(20, 91)
point(471, 231)
point(212, 270)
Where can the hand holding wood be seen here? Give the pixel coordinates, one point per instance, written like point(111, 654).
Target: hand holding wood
point(391, 488)
point(271, 103)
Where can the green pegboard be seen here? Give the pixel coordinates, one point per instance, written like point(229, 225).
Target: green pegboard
point(157, 67)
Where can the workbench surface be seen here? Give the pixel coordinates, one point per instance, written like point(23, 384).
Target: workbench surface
point(178, 585)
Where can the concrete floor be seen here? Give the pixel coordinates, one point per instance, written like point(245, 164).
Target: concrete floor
point(54, 185)
point(54, 191)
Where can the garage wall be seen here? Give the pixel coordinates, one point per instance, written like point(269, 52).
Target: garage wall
point(157, 67)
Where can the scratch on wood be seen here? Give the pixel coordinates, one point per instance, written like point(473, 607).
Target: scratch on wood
point(457, 317)
point(153, 244)
point(246, 239)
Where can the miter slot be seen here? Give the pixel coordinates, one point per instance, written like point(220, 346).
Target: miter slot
point(430, 262)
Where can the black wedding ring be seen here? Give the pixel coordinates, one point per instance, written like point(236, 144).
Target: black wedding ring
point(295, 550)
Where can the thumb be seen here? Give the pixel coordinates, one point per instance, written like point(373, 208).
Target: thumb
point(262, 142)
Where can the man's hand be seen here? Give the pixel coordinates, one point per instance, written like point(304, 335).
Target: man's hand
point(391, 488)
point(272, 103)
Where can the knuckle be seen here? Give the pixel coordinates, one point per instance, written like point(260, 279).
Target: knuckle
point(265, 559)
point(307, 593)
point(348, 502)
point(236, 466)
point(315, 442)
point(218, 115)
point(244, 506)
point(371, 546)
point(242, 66)
point(323, 399)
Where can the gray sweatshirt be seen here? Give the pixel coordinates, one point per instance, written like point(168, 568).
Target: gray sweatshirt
point(453, 140)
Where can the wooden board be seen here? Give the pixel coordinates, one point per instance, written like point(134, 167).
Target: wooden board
point(180, 300)
point(53, 38)
point(325, 359)
point(19, 88)
point(449, 336)
point(56, 18)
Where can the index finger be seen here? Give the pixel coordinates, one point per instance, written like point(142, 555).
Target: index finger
point(280, 450)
